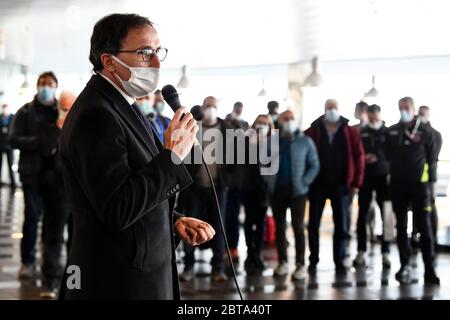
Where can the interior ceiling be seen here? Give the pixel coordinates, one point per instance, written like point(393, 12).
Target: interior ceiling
point(49, 33)
point(44, 34)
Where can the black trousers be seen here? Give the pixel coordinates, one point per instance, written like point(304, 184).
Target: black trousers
point(280, 201)
point(203, 206)
point(417, 197)
point(55, 213)
point(434, 214)
point(10, 159)
point(379, 185)
point(255, 213)
point(232, 214)
point(339, 197)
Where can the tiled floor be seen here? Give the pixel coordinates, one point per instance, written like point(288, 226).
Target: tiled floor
point(370, 283)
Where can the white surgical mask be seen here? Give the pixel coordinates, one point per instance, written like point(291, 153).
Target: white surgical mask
point(210, 114)
point(332, 115)
point(424, 119)
point(292, 126)
point(376, 126)
point(143, 80)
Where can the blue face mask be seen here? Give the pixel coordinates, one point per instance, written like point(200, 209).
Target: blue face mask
point(159, 107)
point(405, 116)
point(332, 115)
point(46, 94)
point(145, 107)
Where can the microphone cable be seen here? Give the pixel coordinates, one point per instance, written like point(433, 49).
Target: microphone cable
point(170, 95)
point(222, 229)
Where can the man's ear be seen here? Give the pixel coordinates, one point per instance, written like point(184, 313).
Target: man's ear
point(106, 60)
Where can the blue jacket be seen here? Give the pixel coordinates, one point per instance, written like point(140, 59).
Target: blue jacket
point(305, 165)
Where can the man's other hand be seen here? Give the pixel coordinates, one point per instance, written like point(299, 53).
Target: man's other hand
point(193, 231)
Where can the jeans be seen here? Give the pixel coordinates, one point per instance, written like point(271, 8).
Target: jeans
point(416, 196)
point(379, 185)
point(232, 214)
point(55, 214)
point(280, 201)
point(10, 159)
point(203, 206)
point(339, 196)
point(255, 214)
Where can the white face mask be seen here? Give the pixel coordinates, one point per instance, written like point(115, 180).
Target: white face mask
point(424, 119)
point(143, 80)
point(210, 114)
point(376, 125)
point(290, 126)
point(332, 115)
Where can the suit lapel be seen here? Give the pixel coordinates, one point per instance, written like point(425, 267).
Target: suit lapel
point(124, 110)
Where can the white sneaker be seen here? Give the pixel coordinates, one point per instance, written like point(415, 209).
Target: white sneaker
point(360, 259)
point(299, 273)
point(386, 261)
point(281, 270)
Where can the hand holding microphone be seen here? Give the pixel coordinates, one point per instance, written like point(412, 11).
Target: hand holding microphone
point(180, 133)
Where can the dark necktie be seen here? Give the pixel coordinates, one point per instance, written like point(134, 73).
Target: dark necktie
point(144, 121)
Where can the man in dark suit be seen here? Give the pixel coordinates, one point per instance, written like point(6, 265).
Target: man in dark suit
point(119, 179)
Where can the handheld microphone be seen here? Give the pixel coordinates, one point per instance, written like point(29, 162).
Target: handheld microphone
point(196, 112)
point(170, 95)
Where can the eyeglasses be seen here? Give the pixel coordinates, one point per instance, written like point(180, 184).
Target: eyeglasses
point(148, 53)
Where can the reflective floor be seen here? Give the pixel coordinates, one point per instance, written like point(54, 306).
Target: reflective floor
point(371, 282)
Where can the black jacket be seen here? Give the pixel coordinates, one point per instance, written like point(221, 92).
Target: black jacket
point(373, 141)
point(5, 122)
point(411, 158)
point(33, 133)
point(120, 183)
point(437, 139)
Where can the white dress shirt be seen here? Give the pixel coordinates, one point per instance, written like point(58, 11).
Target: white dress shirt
point(129, 99)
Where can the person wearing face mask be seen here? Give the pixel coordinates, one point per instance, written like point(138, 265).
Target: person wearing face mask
point(65, 103)
point(254, 191)
point(342, 163)
point(202, 203)
point(235, 121)
point(5, 147)
point(161, 121)
point(298, 167)
point(34, 132)
point(373, 136)
point(121, 181)
point(272, 107)
point(412, 154)
point(145, 104)
point(235, 117)
point(361, 114)
point(424, 116)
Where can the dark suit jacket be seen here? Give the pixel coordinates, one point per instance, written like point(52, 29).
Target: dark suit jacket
point(121, 183)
